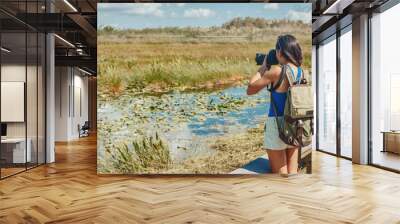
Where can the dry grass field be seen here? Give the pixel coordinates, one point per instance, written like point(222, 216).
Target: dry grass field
point(188, 58)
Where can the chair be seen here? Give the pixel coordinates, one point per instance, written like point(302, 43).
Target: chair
point(84, 130)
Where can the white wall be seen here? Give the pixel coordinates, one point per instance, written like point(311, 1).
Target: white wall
point(62, 81)
point(79, 117)
point(13, 72)
point(70, 83)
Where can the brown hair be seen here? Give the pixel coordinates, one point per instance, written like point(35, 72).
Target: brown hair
point(290, 49)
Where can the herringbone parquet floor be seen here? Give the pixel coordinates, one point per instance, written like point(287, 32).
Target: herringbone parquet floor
point(70, 191)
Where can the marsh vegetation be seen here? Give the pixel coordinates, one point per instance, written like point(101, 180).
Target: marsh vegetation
point(172, 100)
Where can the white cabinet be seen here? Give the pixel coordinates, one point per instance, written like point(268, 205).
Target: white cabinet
point(17, 146)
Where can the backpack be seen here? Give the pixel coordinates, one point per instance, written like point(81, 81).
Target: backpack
point(296, 126)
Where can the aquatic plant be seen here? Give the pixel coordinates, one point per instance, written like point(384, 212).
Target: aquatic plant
point(144, 155)
point(225, 104)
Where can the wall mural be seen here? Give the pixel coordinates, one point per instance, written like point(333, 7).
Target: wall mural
point(173, 79)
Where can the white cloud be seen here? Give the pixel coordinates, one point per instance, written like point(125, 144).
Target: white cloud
point(198, 13)
point(296, 15)
point(151, 9)
point(174, 4)
point(273, 6)
point(111, 7)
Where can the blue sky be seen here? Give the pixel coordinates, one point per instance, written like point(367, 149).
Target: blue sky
point(153, 15)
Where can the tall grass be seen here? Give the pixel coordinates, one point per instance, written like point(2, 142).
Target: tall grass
point(145, 155)
point(162, 59)
point(175, 74)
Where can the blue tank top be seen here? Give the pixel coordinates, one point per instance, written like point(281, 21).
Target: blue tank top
point(280, 98)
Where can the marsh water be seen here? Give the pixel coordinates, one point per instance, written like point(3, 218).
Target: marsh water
point(188, 122)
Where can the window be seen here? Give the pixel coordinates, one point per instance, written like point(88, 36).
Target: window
point(327, 95)
point(394, 119)
point(346, 92)
point(385, 89)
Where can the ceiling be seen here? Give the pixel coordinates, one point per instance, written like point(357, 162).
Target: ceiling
point(329, 15)
point(74, 22)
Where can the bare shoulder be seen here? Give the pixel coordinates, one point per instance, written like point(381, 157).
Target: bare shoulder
point(274, 72)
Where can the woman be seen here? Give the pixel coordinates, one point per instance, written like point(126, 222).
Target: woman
point(282, 157)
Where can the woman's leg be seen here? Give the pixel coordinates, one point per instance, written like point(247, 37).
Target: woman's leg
point(277, 159)
point(292, 160)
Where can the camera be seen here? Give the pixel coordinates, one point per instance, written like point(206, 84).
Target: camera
point(271, 58)
point(260, 58)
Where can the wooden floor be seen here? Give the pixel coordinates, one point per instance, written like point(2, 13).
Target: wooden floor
point(387, 159)
point(5, 172)
point(69, 191)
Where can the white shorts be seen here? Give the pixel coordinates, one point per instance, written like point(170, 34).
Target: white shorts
point(271, 135)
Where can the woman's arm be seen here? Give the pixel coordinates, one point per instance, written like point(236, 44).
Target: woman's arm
point(259, 81)
point(263, 68)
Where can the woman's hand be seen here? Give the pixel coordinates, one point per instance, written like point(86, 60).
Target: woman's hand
point(264, 67)
point(261, 80)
